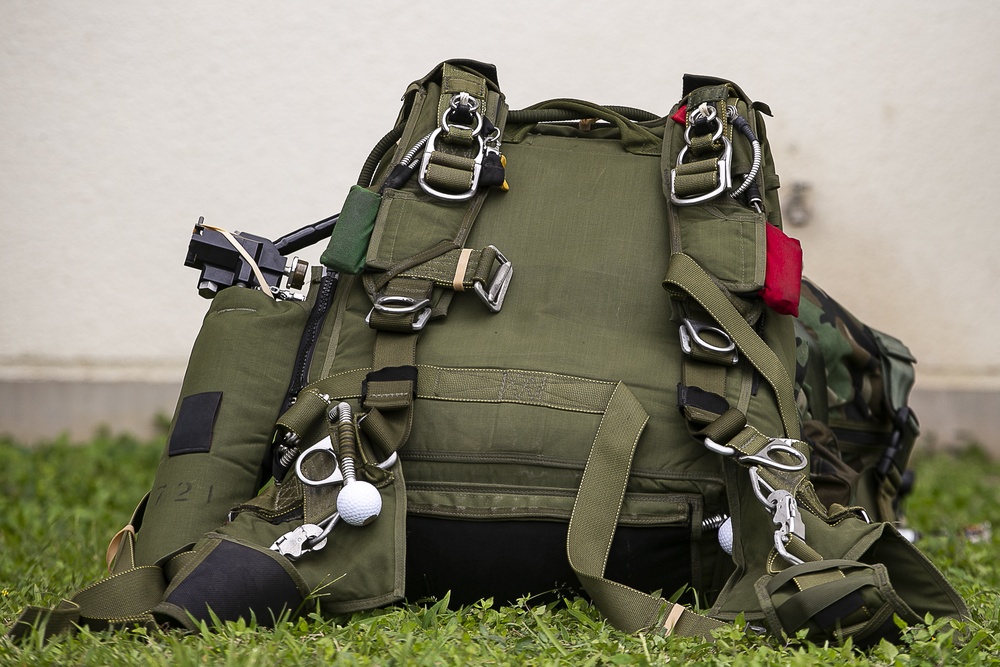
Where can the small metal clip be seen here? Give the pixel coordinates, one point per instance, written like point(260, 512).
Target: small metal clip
point(463, 102)
point(786, 518)
point(293, 544)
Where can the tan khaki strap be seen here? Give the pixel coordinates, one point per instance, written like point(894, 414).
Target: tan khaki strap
point(123, 539)
point(458, 281)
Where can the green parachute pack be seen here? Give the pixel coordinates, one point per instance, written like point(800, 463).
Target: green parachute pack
point(565, 349)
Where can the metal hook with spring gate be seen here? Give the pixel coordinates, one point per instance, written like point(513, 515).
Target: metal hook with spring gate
point(779, 502)
point(784, 514)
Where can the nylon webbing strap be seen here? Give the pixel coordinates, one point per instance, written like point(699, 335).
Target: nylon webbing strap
point(685, 273)
point(122, 598)
point(387, 423)
point(458, 269)
point(594, 520)
point(481, 385)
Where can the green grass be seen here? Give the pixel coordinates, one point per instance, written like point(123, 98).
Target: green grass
point(61, 503)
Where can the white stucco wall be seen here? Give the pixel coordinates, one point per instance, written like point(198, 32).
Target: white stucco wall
point(123, 121)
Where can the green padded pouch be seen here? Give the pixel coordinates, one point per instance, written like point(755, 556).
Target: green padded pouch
point(349, 241)
point(220, 438)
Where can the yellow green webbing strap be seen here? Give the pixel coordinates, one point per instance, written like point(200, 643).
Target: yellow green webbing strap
point(683, 272)
point(594, 520)
point(126, 597)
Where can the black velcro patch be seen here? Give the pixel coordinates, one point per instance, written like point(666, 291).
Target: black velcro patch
point(697, 397)
point(195, 424)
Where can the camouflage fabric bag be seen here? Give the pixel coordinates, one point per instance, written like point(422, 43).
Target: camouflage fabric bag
point(854, 384)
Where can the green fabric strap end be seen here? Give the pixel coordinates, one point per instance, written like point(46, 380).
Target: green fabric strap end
point(595, 517)
point(122, 598)
point(348, 244)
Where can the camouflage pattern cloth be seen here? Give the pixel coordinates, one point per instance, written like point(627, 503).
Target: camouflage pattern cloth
point(848, 415)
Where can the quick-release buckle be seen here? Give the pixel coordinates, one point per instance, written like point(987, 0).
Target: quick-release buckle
point(397, 304)
point(493, 296)
point(701, 117)
point(464, 106)
point(425, 161)
point(786, 518)
point(690, 335)
point(724, 174)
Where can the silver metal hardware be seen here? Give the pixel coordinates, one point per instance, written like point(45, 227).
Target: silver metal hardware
point(473, 108)
point(722, 450)
point(760, 487)
point(402, 305)
point(282, 294)
point(399, 305)
point(765, 457)
point(325, 447)
point(783, 445)
point(292, 544)
point(786, 518)
point(690, 333)
point(711, 115)
point(784, 514)
point(714, 521)
point(468, 104)
point(494, 295)
point(318, 541)
point(477, 166)
point(725, 174)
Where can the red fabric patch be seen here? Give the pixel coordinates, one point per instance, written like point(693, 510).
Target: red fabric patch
point(783, 275)
point(681, 116)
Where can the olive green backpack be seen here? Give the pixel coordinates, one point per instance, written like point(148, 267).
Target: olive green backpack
point(549, 350)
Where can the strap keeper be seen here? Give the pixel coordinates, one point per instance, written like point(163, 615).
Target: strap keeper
point(400, 376)
point(670, 622)
point(460, 268)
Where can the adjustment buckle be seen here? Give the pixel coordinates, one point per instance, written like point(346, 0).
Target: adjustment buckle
point(494, 295)
point(690, 334)
point(393, 304)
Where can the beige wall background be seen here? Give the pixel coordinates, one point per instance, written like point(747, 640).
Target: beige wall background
point(122, 122)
